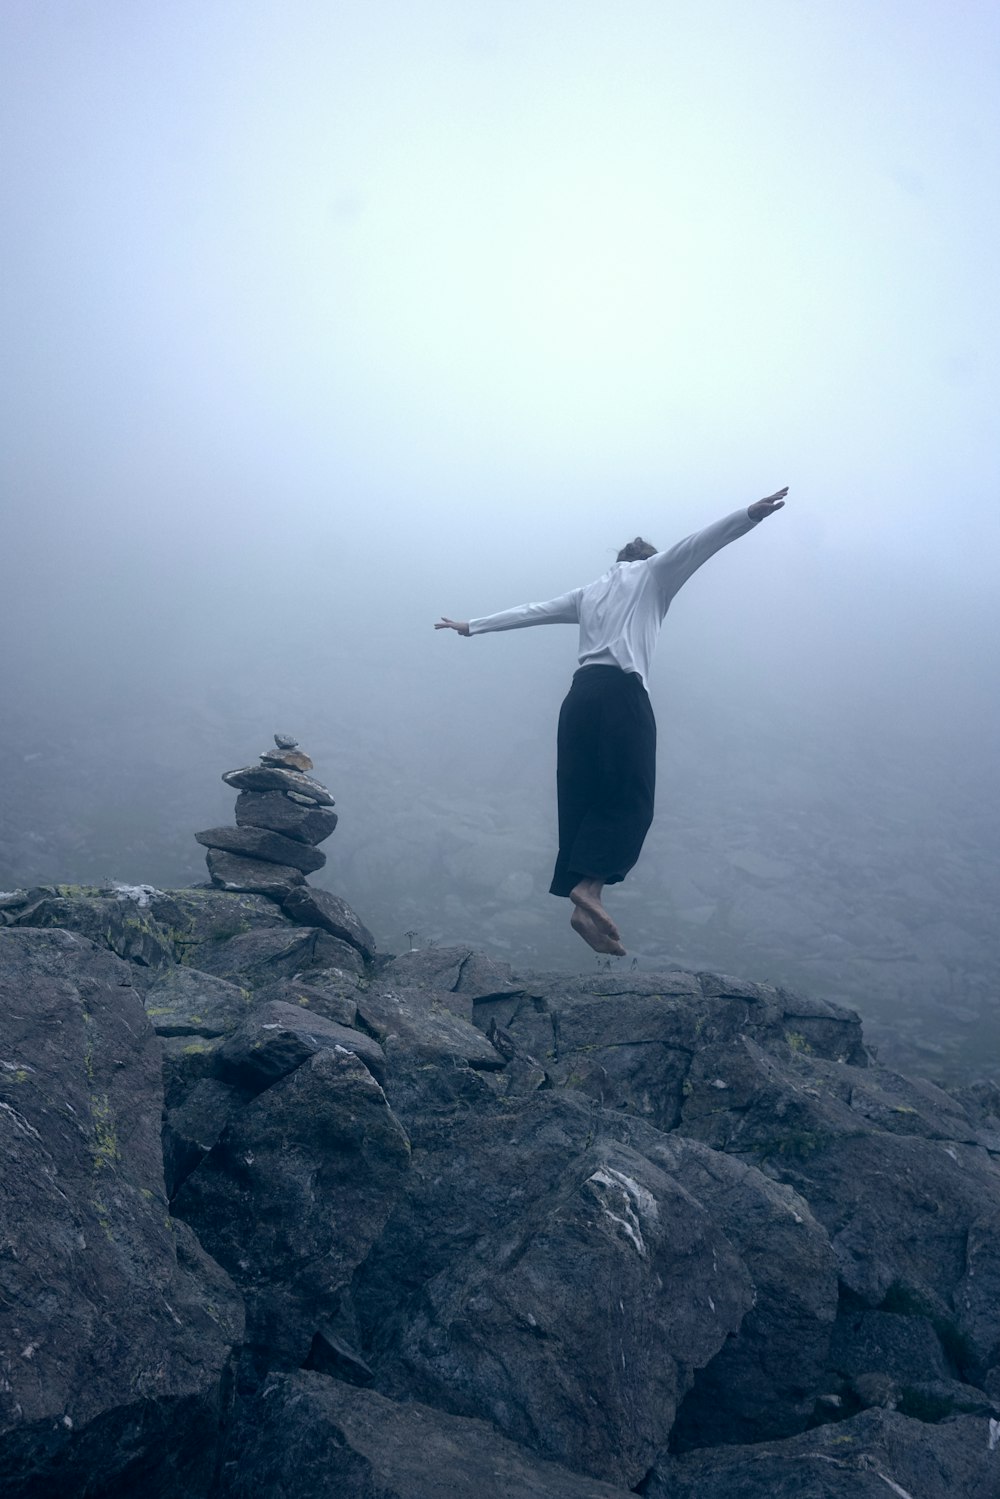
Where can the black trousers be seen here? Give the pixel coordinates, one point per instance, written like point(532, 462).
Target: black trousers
point(605, 776)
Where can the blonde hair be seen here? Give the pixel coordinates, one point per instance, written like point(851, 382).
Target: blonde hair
point(636, 551)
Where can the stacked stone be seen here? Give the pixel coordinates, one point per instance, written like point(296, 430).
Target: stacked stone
point(282, 813)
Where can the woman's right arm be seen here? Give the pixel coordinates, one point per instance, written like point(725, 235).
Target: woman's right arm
point(564, 610)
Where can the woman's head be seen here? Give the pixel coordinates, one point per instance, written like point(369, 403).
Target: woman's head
point(636, 551)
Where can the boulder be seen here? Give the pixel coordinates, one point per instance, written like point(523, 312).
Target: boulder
point(531, 1276)
point(903, 1183)
point(308, 1437)
point(322, 991)
point(420, 1026)
point(278, 1037)
point(257, 958)
point(294, 1193)
point(871, 1456)
point(114, 1325)
point(275, 778)
point(275, 810)
point(255, 876)
point(123, 927)
point(629, 1040)
point(457, 969)
point(187, 1002)
point(194, 1123)
point(205, 914)
point(323, 909)
point(763, 1382)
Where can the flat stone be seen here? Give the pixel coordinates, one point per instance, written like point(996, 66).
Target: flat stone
point(274, 778)
point(261, 843)
point(287, 759)
point(279, 812)
point(254, 876)
point(324, 909)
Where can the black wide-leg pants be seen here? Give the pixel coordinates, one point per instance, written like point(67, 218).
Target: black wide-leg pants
point(605, 776)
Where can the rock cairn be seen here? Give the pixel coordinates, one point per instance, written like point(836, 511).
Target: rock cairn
point(282, 813)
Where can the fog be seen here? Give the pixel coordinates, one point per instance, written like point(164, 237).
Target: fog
point(322, 320)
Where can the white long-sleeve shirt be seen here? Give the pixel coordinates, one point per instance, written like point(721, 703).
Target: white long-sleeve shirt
point(620, 614)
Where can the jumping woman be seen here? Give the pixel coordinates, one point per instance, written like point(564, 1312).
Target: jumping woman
point(606, 764)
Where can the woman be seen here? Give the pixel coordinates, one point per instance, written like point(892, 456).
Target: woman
point(606, 766)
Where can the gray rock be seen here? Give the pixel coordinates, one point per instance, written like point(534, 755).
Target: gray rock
point(205, 914)
point(532, 1276)
point(865, 1342)
point(913, 1219)
point(273, 778)
point(763, 1382)
point(307, 1437)
point(254, 876)
point(422, 1027)
point(258, 958)
point(194, 1124)
point(113, 1327)
point(261, 843)
point(187, 1002)
point(291, 759)
point(275, 810)
point(124, 928)
point(278, 1037)
point(458, 969)
point(869, 1457)
point(295, 1192)
point(324, 909)
point(186, 1061)
point(332, 992)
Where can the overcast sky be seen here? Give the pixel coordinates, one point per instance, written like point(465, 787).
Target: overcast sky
point(322, 319)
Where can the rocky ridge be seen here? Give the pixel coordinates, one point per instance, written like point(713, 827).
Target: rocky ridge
point(281, 1217)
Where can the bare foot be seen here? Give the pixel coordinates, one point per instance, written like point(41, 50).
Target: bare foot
point(585, 927)
point(586, 896)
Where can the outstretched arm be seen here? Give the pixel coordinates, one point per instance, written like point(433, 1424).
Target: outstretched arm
point(564, 610)
point(674, 567)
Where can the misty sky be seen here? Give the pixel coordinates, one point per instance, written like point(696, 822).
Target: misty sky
point(322, 319)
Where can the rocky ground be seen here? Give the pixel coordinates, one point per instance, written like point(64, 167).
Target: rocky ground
point(864, 872)
point(284, 1217)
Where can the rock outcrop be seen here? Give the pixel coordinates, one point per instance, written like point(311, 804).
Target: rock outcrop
point(283, 1218)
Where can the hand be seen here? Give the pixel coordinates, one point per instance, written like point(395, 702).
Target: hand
point(460, 625)
point(768, 506)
